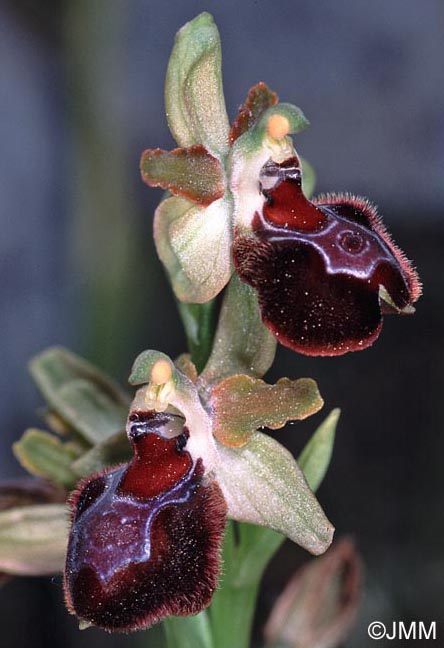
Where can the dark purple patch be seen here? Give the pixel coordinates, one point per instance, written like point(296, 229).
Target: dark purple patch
point(145, 539)
point(318, 266)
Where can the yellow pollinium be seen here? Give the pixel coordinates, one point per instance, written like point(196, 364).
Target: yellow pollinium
point(161, 372)
point(278, 126)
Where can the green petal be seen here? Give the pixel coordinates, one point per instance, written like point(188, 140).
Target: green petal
point(194, 99)
point(258, 100)
point(194, 244)
point(42, 454)
point(33, 539)
point(247, 349)
point(82, 395)
point(315, 457)
point(188, 172)
point(263, 485)
point(241, 405)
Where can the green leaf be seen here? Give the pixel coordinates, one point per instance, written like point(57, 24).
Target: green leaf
point(241, 405)
point(315, 457)
point(95, 415)
point(257, 544)
point(194, 244)
point(262, 484)
point(242, 343)
point(189, 632)
point(33, 539)
point(188, 172)
point(42, 454)
point(194, 99)
point(82, 395)
point(115, 450)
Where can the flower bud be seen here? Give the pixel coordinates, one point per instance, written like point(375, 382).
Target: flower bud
point(319, 604)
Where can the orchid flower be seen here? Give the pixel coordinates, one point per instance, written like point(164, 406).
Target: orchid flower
point(324, 271)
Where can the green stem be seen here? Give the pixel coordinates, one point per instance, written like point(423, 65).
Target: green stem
point(199, 324)
point(188, 632)
point(232, 615)
point(234, 603)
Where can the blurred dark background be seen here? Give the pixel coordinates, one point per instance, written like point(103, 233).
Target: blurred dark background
point(81, 95)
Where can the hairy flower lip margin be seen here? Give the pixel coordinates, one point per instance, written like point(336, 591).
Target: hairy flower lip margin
point(331, 257)
point(146, 536)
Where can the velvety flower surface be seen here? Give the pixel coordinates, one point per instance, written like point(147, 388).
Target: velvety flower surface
point(146, 536)
point(325, 271)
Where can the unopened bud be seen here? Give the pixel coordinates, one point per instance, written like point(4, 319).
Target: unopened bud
point(319, 604)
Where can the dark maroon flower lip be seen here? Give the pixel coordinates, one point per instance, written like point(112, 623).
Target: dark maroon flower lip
point(345, 247)
point(325, 271)
point(356, 208)
point(145, 537)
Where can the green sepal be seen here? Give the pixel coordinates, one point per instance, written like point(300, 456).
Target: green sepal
point(33, 539)
point(42, 454)
point(262, 484)
point(83, 396)
point(194, 244)
point(247, 349)
point(194, 99)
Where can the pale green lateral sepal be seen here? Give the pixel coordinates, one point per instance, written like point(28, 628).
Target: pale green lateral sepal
point(262, 484)
point(194, 245)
